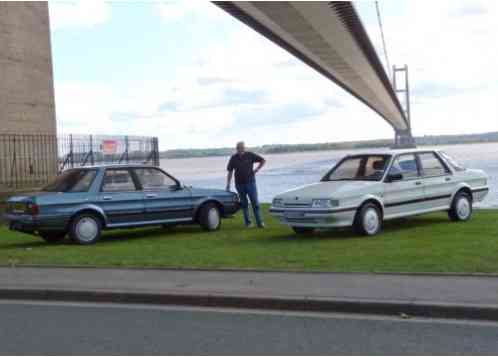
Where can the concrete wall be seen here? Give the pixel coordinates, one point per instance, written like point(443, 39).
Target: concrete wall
point(26, 78)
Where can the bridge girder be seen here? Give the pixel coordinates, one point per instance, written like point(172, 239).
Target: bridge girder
point(329, 37)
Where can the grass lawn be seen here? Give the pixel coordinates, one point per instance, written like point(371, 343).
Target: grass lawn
point(422, 244)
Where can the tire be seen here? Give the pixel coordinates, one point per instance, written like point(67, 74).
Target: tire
point(461, 207)
point(209, 217)
point(303, 230)
point(85, 229)
point(52, 237)
point(368, 220)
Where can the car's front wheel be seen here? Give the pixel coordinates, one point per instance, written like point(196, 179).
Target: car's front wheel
point(368, 220)
point(52, 237)
point(210, 217)
point(85, 229)
point(461, 207)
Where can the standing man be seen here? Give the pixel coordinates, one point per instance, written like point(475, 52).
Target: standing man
point(242, 163)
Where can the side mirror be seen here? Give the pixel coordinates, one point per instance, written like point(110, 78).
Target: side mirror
point(394, 177)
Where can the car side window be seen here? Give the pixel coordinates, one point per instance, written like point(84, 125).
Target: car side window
point(432, 165)
point(405, 165)
point(85, 181)
point(118, 180)
point(375, 166)
point(153, 179)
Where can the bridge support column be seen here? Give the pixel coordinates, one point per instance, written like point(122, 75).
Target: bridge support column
point(403, 140)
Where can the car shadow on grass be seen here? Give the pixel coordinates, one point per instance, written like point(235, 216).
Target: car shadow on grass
point(148, 233)
point(392, 226)
point(188, 232)
point(112, 236)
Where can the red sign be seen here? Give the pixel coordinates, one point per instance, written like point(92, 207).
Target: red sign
point(109, 147)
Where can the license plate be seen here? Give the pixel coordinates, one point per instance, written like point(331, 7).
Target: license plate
point(294, 214)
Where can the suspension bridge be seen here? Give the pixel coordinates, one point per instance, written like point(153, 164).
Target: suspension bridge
point(330, 38)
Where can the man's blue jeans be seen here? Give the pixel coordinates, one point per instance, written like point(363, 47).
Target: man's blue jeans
point(245, 190)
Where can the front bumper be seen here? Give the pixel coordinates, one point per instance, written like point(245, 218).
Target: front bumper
point(229, 209)
point(316, 218)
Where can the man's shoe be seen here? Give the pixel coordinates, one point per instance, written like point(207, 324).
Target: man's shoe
point(249, 225)
point(261, 225)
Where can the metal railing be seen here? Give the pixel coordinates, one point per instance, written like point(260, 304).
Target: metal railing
point(31, 160)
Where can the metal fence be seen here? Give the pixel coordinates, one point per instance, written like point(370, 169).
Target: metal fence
point(26, 160)
point(31, 160)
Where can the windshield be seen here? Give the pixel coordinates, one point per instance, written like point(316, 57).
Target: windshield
point(76, 180)
point(361, 167)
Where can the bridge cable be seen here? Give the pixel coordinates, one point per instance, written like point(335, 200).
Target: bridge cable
point(383, 39)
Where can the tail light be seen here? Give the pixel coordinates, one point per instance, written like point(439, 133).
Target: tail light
point(32, 209)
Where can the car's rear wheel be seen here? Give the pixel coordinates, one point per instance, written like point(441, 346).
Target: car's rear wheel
point(461, 207)
point(368, 220)
point(303, 230)
point(52, 237)
point(85, 229)
point(210, 217)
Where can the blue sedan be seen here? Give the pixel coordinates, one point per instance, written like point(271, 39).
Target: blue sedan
point(83, 202)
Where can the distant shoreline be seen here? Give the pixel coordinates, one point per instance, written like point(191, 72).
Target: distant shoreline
point(432, 140)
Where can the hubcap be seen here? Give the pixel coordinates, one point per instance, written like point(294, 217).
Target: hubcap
point(371, 221)
point(87, 229)
point(213, 218)
point(463, 208)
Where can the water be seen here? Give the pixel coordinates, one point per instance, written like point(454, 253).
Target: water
point(286, 171)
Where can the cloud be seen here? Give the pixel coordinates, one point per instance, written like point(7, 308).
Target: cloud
point(171, 11)
point(78, 14)
point(451, 51)
point(231, 93)
point(245, 87)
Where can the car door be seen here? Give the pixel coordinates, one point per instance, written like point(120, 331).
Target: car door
point(405, 194)
point(164, 198)
point(438, 181)
point(120, 197)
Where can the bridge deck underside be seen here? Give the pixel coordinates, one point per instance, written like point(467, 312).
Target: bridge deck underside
point(329, 37)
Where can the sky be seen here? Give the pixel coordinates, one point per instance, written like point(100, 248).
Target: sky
point(190, 74)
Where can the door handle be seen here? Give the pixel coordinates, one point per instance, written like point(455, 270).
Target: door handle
point(447, 179)
point(107, 198)
point(418, 183)
point(151, 195)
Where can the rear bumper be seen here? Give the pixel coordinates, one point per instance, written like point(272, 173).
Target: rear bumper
point(479, 193)
point(29, 224)
point(21, 223)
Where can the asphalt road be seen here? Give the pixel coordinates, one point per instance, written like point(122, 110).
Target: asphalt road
point(106, 329)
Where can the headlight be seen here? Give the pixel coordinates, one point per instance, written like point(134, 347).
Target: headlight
point(324, 203)
point(278, 202)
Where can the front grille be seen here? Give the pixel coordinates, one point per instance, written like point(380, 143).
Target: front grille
point(296, 205)
point(300, 220)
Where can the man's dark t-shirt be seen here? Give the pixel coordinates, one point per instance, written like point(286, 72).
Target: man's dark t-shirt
point(243, 166)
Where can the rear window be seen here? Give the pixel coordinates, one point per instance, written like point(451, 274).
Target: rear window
point(74, 180)
point(453, 163)
point(432, 165)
